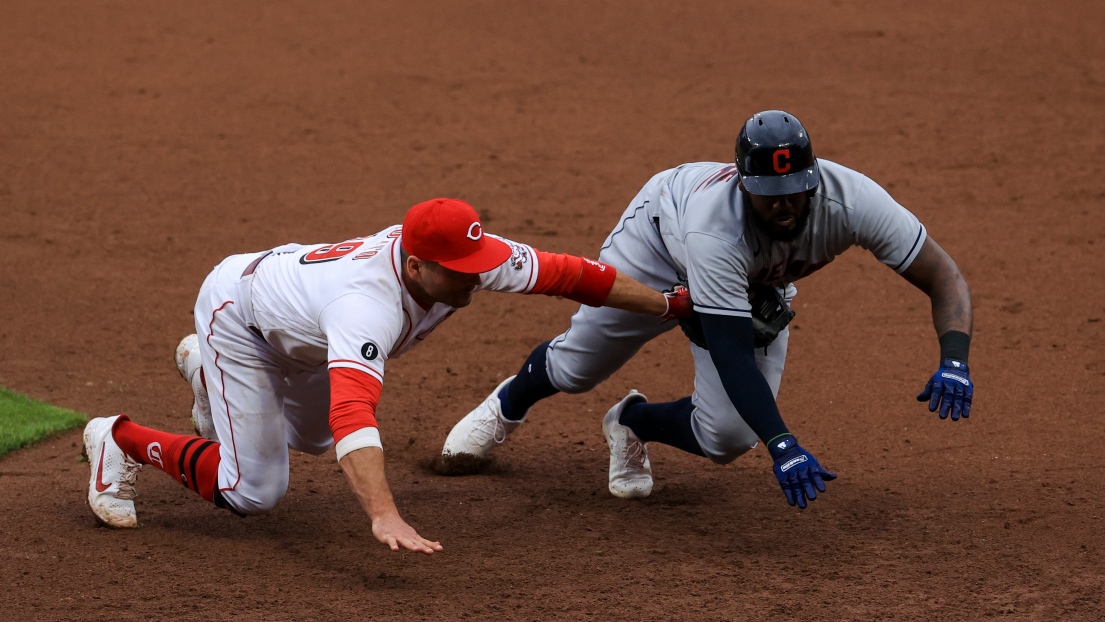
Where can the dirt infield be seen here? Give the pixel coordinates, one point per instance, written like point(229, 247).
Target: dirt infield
point(142, 142)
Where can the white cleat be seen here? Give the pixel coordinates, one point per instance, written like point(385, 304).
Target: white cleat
point(111, 486)
point(189, 364)
point(630, 471)
point(480, 430)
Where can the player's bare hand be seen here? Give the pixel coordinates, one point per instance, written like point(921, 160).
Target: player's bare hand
point(393, 531)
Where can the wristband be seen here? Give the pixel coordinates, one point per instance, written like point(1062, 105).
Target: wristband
point(955, 344)
point(365, 437)
point(779, 444)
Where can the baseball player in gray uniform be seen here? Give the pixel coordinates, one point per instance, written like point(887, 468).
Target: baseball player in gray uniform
point(738, 236)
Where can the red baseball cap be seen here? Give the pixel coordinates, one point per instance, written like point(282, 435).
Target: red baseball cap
point(448, 232)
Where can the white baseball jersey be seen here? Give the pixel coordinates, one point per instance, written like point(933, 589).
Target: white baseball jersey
point(330, 316)
point(701, 208)
point(345, 305)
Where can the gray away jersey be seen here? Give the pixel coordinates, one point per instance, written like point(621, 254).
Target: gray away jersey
point(701, 208)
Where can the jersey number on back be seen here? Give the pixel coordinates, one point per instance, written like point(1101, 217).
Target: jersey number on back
point(331, 253)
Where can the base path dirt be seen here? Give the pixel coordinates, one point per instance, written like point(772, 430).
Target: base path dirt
point(142, 143)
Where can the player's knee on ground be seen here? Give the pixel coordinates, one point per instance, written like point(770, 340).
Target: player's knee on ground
point(723, 439)
point(258, 493)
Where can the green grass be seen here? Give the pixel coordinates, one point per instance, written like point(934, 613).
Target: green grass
point(24, 421)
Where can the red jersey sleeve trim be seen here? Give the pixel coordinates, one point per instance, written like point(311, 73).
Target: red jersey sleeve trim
point(353, 398)
point(575, 278)
point(596, 279)
point(367, 369)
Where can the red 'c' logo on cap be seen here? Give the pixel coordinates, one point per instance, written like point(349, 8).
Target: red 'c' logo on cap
point(475, 231)
point(781, 160)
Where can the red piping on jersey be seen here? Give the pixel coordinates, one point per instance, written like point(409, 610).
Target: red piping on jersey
point(402, 283)
point(402, 288)
point(369, 369)
point(222, 379)
point(533, 270)
point(410, 327)
point(729, 170)
point(422, 335)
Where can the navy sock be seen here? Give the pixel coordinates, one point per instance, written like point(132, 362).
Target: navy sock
point(667, 422)
point(530, 386)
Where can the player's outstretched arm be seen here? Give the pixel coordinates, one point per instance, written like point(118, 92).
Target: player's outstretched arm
point(933, 272)
point(364, 468)
point(592, 283)
point(631, 295)
point(730, 342)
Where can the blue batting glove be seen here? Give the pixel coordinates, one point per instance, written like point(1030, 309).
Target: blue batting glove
point(800, 475)
point(951, 389)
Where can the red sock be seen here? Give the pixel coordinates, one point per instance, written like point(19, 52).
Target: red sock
point(190, 460)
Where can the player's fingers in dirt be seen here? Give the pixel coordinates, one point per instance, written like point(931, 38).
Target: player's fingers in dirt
point(430, 546)
point(419, 544)
point(404, 536)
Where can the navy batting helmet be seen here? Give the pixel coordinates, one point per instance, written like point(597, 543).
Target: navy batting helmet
point(775, 156)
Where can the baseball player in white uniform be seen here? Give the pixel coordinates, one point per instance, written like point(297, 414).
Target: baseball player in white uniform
point(290, 351)
point(738, 235)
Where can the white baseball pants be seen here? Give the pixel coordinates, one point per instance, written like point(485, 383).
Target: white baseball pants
point(261, 401)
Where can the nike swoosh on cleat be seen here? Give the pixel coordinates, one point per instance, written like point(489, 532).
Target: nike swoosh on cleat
point(101, 487)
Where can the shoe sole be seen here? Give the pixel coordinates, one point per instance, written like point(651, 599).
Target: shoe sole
point(632, 493)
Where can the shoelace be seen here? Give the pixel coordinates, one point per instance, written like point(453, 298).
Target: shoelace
point(490, 428)
point(633, 454)
point(130, 478)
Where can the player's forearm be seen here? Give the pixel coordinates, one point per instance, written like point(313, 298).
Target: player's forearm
point(935, 273)
point(364, 469)
point(951, 305)
point(631, 295)
point(595, 284)
point(730, 341)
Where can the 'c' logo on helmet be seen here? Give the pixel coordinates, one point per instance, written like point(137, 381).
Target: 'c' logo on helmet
point(781, 160)
point(475, 231)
